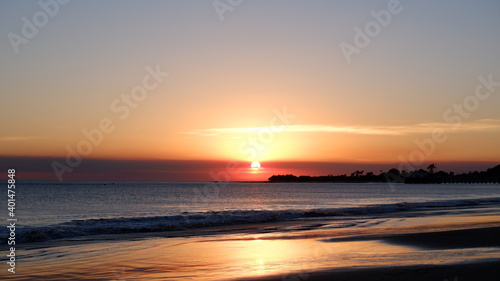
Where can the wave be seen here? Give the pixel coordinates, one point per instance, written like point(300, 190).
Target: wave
point(184, 221)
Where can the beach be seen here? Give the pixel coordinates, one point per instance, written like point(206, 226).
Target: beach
point(232, 140)
point(434, 234)
point(467, 271)
point(470, 254)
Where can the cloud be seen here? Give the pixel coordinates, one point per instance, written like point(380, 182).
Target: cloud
point(482, 125)
point(291, 129)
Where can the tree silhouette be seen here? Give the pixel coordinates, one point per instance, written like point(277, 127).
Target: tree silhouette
point(357, 173)
point(431, 168)
point(394, 171)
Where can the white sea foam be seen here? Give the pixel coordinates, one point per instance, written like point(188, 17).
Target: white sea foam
point(198, 220)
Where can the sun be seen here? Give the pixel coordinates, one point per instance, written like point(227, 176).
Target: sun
point(255, 165)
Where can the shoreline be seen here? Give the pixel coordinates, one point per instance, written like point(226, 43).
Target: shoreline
point(383, 249)
point(461, 239)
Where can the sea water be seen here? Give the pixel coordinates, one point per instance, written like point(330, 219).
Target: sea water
point(49, 210)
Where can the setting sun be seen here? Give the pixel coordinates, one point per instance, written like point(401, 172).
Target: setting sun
point(255, 165)
point(377, 123)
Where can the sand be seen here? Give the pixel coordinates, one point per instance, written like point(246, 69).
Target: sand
point(486, 269)
point(453, 248)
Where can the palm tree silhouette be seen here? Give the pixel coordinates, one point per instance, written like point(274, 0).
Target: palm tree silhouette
point(431, 168)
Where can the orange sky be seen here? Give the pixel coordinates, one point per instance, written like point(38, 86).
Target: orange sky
point(172, 82)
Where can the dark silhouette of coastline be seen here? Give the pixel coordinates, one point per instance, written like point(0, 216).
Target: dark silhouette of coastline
point(491, 175)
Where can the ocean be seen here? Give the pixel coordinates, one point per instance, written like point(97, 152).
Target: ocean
point(48, 211)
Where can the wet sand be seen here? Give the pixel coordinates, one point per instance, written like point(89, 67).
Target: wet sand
point(462, 247)
point(466, 238)
point(487, 270)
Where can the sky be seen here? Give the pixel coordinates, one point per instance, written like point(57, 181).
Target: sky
point(179, 90)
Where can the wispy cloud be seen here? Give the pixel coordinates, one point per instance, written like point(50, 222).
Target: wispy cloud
point(483, 125)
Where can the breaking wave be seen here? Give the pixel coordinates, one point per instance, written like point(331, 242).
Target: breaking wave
point(184, 221)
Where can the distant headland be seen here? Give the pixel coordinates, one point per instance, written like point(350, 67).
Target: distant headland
point(430, 175)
